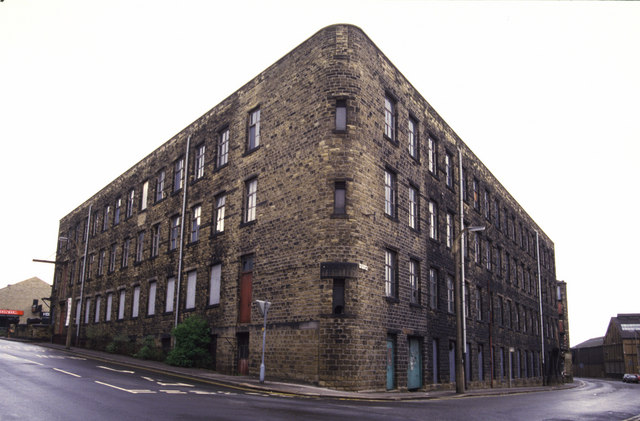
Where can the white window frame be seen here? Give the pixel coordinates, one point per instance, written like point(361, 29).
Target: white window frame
point(131, 198)
point(432, 164)
point(414, 200)
point(174, 233)
point(220, 209)
point(107, 315)
point(160, 180)
point(145, 195)
point(451, 308)
point(135, 308)
point(449, 230)
point(151, 299)
point(253, 140)
point(390, 195)
point(433, 220)
point(190, 300)
point(251, 200)
point(87, 310)
point(433, 288)
point(414, 271)
point(223, 148)
point(96, 318)
point(121, 303)
point(196, 215)
point(178, 174)
point(214, 284)
point(389, 118)
point(412, 127)
point(199, 167)
point(170, 295)
point(390, 273)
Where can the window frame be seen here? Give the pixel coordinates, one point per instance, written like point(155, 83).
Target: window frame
point(251, 200)
point(222, 158)
point(390, 194)
point(390, 118)
point(199, 164)
point(220, 204)
point(253, 130)
point(391, 274)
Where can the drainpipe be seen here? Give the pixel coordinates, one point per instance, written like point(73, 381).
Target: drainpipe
point(462, 281)
point(84, 264)
point(184, 208)
point(542, 368)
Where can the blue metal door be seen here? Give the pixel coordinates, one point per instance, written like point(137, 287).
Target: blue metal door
point(414, 370)
point(390, 364)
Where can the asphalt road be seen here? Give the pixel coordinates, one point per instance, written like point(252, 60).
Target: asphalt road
point(42, 383)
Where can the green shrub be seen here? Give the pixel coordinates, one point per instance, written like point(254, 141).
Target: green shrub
point(191, 344)
point(149, 350)
point(97, 337)
point(120, 344)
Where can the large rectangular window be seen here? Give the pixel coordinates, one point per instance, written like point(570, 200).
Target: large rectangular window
point(125, 252)
point(97, 311)
point(145, 195)
point(433, 220)
point(112, 258)
point(121, 303)
point(451, 308)
point(140, 247)
point(220, 206)
point(414, 201)
point(449, 230)
point(135, 308)
point(214, 284)
point(199, 166)
point(155, 240)
point(389, 118)
point(195, 223)
point(390, 273)
point(178, 174)
point(171, 289)
point(432, 162)
point(254, 130)
point(448, 170)
point(87, 310)
point(131, 197)
point(412, 128)
point(190, 302)
point(433, 288)
point(251, 188)
point(390, 193)
point(223, 148)
point(479, 310)
point(151, 299)
point(107, 315)
point(414, 281)
point(160, 186)
point(174, 233)
point(116, 213)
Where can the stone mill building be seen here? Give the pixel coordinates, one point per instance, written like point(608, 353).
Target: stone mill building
point(328, 186)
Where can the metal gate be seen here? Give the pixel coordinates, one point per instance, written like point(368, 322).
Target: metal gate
point(414, 370)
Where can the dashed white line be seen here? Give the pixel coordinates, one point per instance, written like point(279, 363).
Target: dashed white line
point(117, 371)
point(66, 372)
point(173, 392)
point(133, 391)
point(175, 384)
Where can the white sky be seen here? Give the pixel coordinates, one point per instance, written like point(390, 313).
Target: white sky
point(546, 94)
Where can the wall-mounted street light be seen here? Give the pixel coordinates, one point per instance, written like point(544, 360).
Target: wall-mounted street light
point(458, 251)
point(263, 308)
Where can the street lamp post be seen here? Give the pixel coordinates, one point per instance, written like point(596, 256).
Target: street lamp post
point(458, 252)
point(263, 307)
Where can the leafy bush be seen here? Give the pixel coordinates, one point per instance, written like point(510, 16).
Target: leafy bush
point(191, 344)
point(97, 337)
point(120, 344)
point(149, 350)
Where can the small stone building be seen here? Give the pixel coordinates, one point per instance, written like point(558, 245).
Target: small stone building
point(328, 186)
point(23, 301)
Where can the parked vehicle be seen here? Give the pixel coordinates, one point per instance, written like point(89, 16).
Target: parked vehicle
point(631, 378)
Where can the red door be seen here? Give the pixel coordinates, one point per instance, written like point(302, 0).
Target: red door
point(244, 315)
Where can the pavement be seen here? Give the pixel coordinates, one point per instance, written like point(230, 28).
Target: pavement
point(249, 383)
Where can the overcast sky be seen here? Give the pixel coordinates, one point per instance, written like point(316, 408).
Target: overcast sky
point(546, 94)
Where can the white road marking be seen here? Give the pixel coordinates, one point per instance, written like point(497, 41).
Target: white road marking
point(175, 384)
point(133, 391)
point(66, 372)
point(173, 392)
point(202, 392)
point(23, 359)
point(113, 369)
point(147, 378)
point(78, 358)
